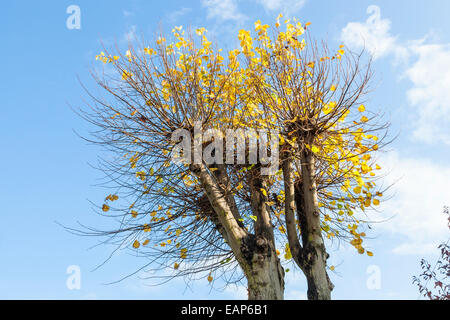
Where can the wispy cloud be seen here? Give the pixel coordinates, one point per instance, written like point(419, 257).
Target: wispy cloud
point(373, 35)
point(127, 13)
point(429, 71)
point(287, 7)
point(129, 36)
point(420, 189)
point(430, 76)
point(174, 16)
point(223, 10)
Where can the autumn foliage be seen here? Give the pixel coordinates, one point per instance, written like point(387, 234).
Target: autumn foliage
point(214, 220)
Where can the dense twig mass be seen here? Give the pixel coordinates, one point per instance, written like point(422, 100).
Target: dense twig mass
point(193, 217)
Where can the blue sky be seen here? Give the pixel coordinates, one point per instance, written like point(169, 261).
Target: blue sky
point(45, 176)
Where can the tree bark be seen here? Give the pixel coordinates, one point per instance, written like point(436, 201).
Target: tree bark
point(314, 256)
point(256, 254)
point(265, 275)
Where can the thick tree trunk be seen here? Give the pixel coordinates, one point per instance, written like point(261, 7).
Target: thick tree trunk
point(314, 256)
point(319, 285)
point(265, 275)
point(255, 253)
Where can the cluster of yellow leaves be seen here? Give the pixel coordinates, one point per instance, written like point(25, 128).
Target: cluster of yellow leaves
point(111, 197)
point(126, 75)
point(106, 59)
point(346, 158)
point(358, 240)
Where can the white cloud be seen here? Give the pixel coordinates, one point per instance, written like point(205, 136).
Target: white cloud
point(420, 191)
point(130, 35)
point(372, 35)
point(237, 292)
point(430, 75)
point(127, 13)
point(222, 10)
point(174, 16)
point(429, 72)
point(282, 6)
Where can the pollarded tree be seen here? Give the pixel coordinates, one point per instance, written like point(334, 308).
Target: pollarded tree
point(297, 161)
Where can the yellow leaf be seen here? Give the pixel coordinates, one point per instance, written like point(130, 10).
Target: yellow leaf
point(105, 208)
point(183, 254)
point(200, 31)
point(136, 244)
point(361, 108)
point(287, 251)
point(370, 254)
point(149, 51)
point(145, 242)
point(176, 266)
point(160, 40)
point(315, 149)
point(126, 75)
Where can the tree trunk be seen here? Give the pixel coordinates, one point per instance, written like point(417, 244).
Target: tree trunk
point(265, 275)
point(255, 253)
point(314, 256)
